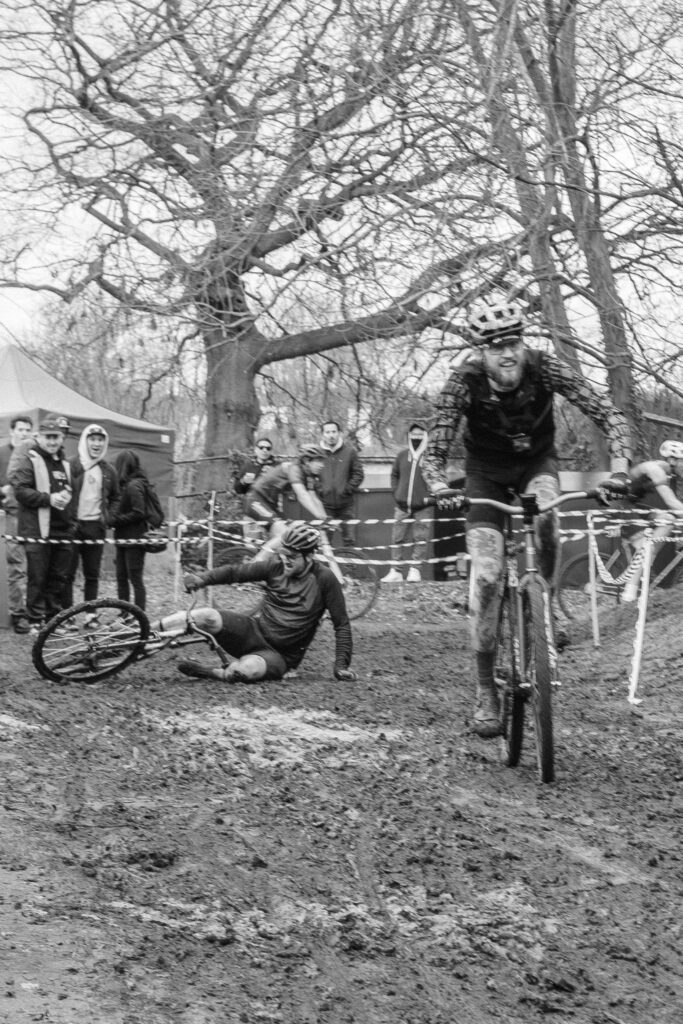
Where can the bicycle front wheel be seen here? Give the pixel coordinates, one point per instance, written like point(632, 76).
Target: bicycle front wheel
point(90, 641)
point(538, 675)
point(574, 588)
point(361, 582)
point(512, 697)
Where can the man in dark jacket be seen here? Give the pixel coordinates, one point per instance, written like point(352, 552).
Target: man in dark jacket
point(249, 470)
point(95, 497)
point(20, 432)
point(410, 531)
point(340, 479)
point(42, 484)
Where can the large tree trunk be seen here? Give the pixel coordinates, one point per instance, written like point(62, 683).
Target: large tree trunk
point(232, 410)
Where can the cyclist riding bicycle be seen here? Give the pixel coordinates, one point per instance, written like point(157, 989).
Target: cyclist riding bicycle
point(655, 476)
point(295, 475)
point(271, 641)
point(505, 392)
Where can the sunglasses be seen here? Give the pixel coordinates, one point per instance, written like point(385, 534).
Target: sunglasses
point(264, 447)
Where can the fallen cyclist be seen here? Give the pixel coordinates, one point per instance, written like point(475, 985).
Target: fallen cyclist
point(298, 591)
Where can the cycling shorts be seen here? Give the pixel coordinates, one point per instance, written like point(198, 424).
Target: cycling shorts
point(241, 634)
point(261, 511)
point(507, 486)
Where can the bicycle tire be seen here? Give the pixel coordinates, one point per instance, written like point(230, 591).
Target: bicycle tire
point(573, 585)
point(361, 582)
point(71, 648)
point(538, 675)
point(512, 698)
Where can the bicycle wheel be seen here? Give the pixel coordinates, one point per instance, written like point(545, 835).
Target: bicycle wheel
point(512, 698)
point(238, 597)
point(538, 675)
point(574, 589)
point(90, 641)
point(361, 582)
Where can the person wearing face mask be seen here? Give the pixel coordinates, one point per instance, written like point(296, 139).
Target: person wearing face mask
point(504, 392)
point(95, 496)
point(298, 592)
point(41, 479)
point(410, 531)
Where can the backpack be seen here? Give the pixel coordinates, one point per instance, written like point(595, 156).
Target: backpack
point(154, 513)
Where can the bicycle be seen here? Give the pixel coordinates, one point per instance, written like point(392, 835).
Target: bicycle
point(526, 668)
point(574, 592)
point(227, 545)
point(96, 639)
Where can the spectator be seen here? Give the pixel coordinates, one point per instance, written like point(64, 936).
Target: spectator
point(340, 479)
point(96, 492)
point(42, 484)
point(21, 428)
point(411, 518)
point(249, 470)
point(130, 523)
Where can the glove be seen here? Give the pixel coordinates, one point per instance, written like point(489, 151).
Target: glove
point(449, 500)
point(617, 486)
point(345, 675)
point(192, 582)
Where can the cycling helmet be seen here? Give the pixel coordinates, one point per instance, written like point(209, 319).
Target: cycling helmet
point(300, 537)
point(310, 451)
point(671, 450)
point(489, 323)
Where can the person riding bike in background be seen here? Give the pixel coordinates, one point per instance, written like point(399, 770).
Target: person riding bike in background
point(654, 476)
point(505, 391)
point(295, 475)
point(274, 639)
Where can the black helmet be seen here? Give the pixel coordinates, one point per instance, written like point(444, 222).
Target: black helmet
point(310, 451)
point(488, 324)
point(300, 537)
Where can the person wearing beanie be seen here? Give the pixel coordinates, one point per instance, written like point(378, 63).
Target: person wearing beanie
point(95, 496)
point(410, 531)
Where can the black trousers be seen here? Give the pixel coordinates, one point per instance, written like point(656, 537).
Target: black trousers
point(90, 557)
point(47, 570)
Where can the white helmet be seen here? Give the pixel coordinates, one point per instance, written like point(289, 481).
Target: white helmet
point(489, 323)
point(671, 450)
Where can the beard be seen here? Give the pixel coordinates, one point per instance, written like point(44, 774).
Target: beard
point(505, 378)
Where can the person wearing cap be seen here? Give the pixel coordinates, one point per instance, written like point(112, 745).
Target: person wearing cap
point(340, 478)
point(95, 496)
point(410, 530)
point(504, 392)
point(41, 479)
point(21, 428)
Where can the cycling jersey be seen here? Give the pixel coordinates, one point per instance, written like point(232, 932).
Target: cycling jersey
point(515, 426)
point(268, 487)
point(293, 606)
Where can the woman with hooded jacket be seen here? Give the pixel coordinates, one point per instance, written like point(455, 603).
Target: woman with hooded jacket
point(130, 524)
point(95, 494)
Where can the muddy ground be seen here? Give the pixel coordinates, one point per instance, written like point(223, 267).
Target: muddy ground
point(178, 852)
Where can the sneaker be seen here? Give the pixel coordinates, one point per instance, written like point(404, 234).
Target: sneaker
point(66, 629)
point(486, 721)
point(414, 575)
point(196, 670)
point(91, 620)
point(393, 576)
point(20, 624)
point(35, 628)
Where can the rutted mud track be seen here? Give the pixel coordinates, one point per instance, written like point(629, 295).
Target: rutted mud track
point(309, 852)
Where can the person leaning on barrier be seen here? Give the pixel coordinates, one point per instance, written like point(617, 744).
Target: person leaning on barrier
point(298, 592)
point(504, 392)
point(21, 428)
point(41, 479)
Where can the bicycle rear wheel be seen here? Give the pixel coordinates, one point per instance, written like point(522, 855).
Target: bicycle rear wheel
point(574, 589)
point(512, 698)
point(361, 582)
point(90, 641)
point(538, 675)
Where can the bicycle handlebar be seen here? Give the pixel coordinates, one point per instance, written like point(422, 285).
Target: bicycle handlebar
point(466, 502)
